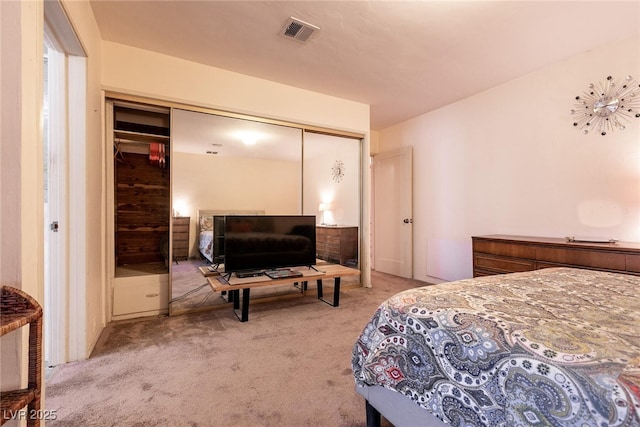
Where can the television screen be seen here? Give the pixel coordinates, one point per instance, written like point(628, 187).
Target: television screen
point(263, 242)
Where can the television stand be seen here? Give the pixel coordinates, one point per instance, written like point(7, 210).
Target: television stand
point(234, 285)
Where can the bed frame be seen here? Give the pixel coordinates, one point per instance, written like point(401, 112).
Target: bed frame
point(398, 409)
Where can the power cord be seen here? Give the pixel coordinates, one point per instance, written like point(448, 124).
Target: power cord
point(181, 297)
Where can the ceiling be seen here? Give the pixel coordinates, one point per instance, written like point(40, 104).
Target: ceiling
point(403, 58)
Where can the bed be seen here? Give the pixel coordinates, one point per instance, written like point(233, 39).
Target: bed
point(551, 347)
point(205, 229)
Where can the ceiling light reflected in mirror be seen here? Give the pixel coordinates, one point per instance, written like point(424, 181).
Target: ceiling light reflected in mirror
point(202, 133)
point(248, 137)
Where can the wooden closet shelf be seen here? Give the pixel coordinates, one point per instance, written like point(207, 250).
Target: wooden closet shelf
point(138, 138)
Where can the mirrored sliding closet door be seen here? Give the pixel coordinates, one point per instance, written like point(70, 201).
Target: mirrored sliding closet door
point(223, 166)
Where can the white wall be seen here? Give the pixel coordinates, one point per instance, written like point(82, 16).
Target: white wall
point(321, 152)
point(137, 71)
point(202, 182)
point(509, 161)
point(10, 149)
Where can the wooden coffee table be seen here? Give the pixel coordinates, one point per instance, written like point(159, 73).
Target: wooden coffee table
point(234, 285)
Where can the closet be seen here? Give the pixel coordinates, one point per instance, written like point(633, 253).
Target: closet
point(140, 136)
point(167, 163)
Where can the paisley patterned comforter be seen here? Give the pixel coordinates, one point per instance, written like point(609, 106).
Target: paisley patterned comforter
point(552, 347)
point(205, 244)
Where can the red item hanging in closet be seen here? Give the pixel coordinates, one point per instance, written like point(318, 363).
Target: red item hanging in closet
point(154, 148)
point(161, 156)
point(157, 154)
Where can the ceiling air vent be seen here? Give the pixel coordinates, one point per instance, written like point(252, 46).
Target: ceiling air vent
point(299, 30)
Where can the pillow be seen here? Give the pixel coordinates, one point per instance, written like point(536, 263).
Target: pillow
point(206, 223)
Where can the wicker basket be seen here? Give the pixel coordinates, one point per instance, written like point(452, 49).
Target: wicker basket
point(17, 309)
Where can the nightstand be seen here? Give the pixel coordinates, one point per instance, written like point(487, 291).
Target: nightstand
point(337, 244)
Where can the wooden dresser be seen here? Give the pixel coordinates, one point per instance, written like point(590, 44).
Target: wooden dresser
point(498, 254)
point(337, 244)
point(181, 237)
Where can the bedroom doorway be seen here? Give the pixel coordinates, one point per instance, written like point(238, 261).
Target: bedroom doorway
point(63, 139)
point(392, 207)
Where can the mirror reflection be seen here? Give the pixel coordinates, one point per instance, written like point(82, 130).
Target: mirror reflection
point(224, 165)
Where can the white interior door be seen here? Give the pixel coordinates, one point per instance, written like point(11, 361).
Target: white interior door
point(392, 210)
point(54, 135)
point(64, 135)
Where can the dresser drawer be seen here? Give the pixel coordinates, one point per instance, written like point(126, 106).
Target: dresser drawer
point(514, 250)
point(181, 220)
point(633, 263)
point(180, 235)
point(180, 244)
point(501, 264)
point(584, 258)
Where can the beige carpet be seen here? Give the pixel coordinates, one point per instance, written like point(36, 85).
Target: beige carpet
point(290, 365)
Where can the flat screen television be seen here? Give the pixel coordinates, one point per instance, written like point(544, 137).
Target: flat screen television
point(266, 242)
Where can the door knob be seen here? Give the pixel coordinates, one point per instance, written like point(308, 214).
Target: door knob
point(408, 221)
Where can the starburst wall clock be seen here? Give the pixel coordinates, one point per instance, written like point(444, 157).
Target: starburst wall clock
point(607, 106)
point(337, 171)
